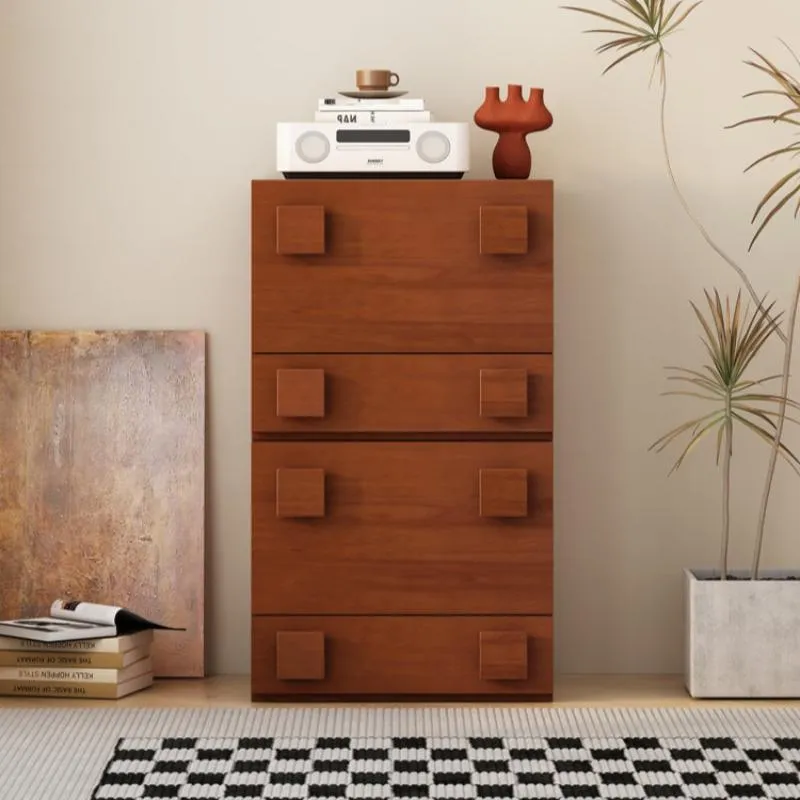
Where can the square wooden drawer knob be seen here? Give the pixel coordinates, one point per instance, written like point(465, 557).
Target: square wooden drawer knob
point(504, 393)
point(300, 230)
point(300, 655)
point(504, 230)
point(503, 656)
point(300, 393)
point(300, 493)
point(503, 493)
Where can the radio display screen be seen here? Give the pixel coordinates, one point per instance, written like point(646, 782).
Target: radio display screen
point(361, 136)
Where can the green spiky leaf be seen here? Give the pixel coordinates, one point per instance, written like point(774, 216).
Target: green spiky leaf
point(733, 334)
point(639, 26)
point(787, 88)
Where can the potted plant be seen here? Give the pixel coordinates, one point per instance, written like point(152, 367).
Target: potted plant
point(742, 628)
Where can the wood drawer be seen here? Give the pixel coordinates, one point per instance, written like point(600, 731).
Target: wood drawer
point(402, 266)
point(475, 656)
point(402, 528)
point(402, 394)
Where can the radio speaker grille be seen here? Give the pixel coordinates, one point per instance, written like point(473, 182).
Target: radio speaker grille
point(312, 147)
point(433, 147)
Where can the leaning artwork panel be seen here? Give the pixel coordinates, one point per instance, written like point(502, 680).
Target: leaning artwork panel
point(102, 478)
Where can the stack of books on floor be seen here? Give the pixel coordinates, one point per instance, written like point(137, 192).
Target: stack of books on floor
point(87, 668)
point(80, 650)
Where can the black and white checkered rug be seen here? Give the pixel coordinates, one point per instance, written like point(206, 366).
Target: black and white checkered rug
point(461, 767)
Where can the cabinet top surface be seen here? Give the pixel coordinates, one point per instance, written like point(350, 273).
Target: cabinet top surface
point(515, 184)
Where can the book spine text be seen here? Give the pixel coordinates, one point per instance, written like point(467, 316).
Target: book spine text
point(115, 644)
point(33, 658)
point(58, 674)
point(372, 117)
point(89, 690)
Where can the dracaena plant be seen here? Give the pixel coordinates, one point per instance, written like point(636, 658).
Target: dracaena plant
point(733, 337)
point(633, 28)
point(639, 26)
point(787, 188)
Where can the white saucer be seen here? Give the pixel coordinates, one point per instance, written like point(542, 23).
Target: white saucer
point(374, 94)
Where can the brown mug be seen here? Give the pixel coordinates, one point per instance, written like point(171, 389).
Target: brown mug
point(376, 79)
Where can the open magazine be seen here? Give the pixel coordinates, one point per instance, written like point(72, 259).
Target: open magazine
point(72, 620)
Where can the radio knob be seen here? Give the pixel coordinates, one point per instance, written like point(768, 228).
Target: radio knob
point(312, 147)
point(433, 147)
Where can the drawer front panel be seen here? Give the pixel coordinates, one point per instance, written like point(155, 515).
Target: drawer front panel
point(402, 394)
point(402, 655)
point(402, 528)
point(402, 266)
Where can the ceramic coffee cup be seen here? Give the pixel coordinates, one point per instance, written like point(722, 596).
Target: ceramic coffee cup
point(376, 80)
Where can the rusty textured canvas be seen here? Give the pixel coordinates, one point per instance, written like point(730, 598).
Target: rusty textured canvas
point(102, 478)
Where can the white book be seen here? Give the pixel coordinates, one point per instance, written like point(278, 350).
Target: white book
point(73, 620)
point(358, 117)
point(351, 104)
point(116, 644)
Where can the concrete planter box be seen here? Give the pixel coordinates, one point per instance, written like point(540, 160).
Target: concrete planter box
point(742, 636)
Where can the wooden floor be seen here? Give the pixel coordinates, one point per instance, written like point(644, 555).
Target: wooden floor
point(571, 691)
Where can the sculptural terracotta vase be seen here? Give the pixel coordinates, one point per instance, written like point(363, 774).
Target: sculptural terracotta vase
point(513, 119)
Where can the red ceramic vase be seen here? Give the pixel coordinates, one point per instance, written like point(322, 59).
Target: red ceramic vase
point(513, 119)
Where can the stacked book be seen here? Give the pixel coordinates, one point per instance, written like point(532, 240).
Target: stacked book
point(90, 668)
point(373, 111)
point(81, 650)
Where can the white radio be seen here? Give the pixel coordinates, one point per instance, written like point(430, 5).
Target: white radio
point(402, 150)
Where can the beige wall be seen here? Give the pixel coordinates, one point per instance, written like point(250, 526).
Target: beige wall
point(129, 132)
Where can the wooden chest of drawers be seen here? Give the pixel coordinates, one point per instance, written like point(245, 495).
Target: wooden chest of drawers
point(402, 411)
